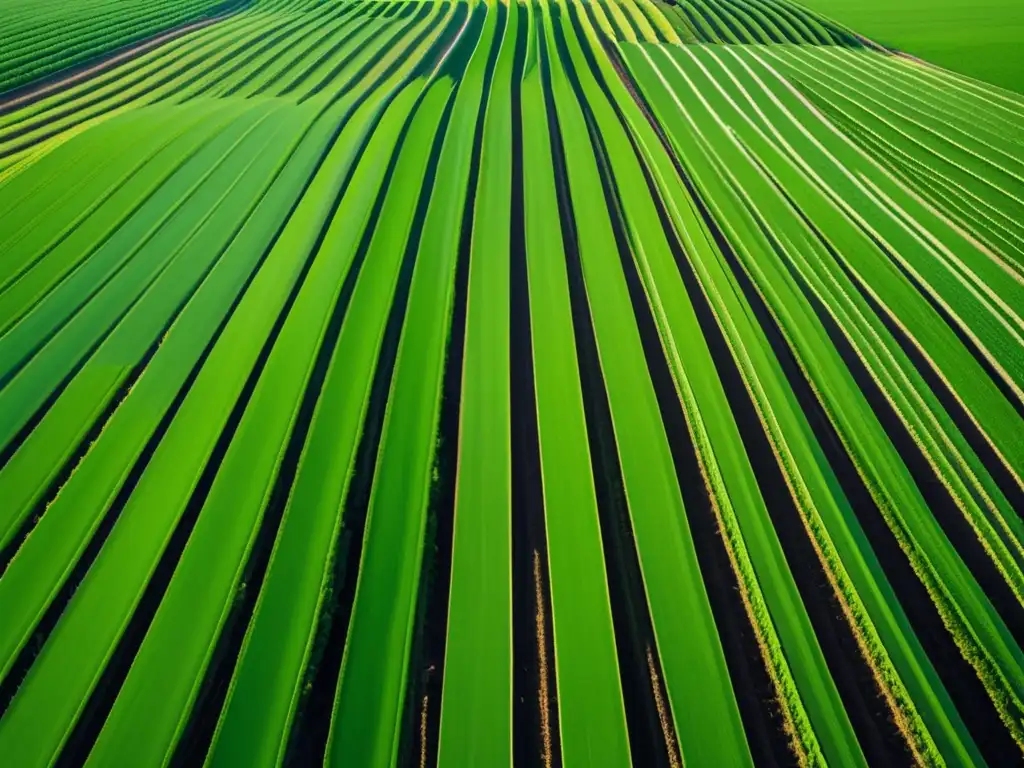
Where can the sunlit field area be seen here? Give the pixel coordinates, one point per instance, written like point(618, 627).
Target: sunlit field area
point(479, 382)
point(979, 38)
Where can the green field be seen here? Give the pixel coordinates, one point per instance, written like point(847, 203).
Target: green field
point(478, 383)
point(49, 38)
point(978, 39)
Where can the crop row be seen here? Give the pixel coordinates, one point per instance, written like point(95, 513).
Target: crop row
point(747, 22)
point(42, 39)
point(469, 383)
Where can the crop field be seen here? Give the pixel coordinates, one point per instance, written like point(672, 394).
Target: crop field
point(548, 382)
point(43, 37)
point(979, 38)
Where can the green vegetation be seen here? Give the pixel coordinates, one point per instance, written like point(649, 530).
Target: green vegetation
point(41, 38)
point(980, 40)
point(490, 383)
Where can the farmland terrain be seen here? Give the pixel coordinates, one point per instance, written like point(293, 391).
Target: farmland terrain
point(978, 38)
point(467, 383)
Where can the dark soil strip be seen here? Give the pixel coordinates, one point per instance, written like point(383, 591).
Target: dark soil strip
point(308, 740)
point(94, 431)
point(653, 741)
point(935, 494)
point(9, 686)
point(90, 722)
point(308, 743)
point(38, 89)
point(114, 674)
point(683, 452)
point(350, 22)
point(395, 39)
point(962, 337)
point(312, 722)
point(105, 280)
point(877, 734)
point(957, 675)
point(19, 438)
point(607, 473)
point(421, 718)
point(301, 26)
point(422, 711)
point(536, 731)
point(961, 417)
point(752, 684)
point(298, 73)
point(960, 679)
point(949, 517)
point(994, 741)
point(868, 712)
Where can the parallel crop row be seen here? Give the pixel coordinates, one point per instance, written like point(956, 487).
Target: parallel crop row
point(470, 383)
point(41, 39)
point(753, 22)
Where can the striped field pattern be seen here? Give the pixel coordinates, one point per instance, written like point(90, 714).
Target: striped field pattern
point(465, 383)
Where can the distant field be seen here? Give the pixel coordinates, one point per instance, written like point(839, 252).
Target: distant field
point(41, 37)
point(980, 38)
